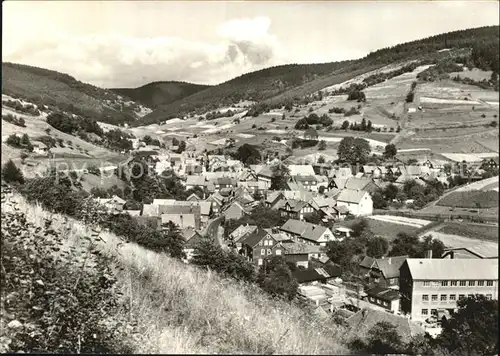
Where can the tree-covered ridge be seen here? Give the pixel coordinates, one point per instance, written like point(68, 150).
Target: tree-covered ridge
point(160, 93)
point(277, 84)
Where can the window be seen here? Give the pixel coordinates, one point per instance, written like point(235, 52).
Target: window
point(260, 243)
point(462, 283)
point(453, 297)
point(427, 283)
point(444, 297)
point(260, 262)
point(470, 296)
point(472, 283)
point(270, 242)
point(489, 283)
point(480, 283)
point(434, 297)
point(268, 251)
point(444, 283)
point(278, 252)
point(489, 296)
point(461, 296)
point(425, 298)
point(265, 243)
point(453, 283)
point(262, 252)
point(434, 311)
point(425, 311)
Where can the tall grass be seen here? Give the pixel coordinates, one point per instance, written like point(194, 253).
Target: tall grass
point(178, 308)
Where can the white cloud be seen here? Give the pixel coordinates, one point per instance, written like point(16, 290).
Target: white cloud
point(111, 60)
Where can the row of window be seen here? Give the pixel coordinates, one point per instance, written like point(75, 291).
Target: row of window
point(480, 283)
point(378, 301)
point(266, 243)
point(269, 252)
point(445, 297)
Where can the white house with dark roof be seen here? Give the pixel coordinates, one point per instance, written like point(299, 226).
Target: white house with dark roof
point(358, 202)
point(433, 285)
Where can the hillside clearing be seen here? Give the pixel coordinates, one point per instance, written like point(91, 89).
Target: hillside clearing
point(479, 231)
point(474, 199)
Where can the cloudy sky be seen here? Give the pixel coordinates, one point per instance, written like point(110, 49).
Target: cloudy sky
point(128, 44)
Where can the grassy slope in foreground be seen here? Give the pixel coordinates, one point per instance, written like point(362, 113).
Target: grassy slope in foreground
point(160, 93)
point(182, 309)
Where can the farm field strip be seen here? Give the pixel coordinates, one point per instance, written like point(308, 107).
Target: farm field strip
point(418, 223)
point(456, 241)
point(469, 157)
point(413, 150)
point(481, 185)
point(426, 99)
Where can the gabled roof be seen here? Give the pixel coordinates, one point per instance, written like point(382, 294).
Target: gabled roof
point(182, 220)
point(304, 229)
point(450, 269)
point(385, 294)
point(316, 274)
point(357, 183)
point(296, 248)
point(340, 182)
point(241, 231)
point(481, 251)
point(193, 197)
point(305, 178)
point(341, 172)
point(351, 196)
point(149, 210)
point(273, 196)
point(179, 209)
point(163, 201)
point(255, 237)
point(266, 172)
point(295, 205)
point(191, 236)
point(388, 266)
point(196, 180)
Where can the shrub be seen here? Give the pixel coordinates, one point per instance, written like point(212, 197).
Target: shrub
point(61, 301)
point(12, 174)
point(351, 111)
point(18, 121)
point(13, 140)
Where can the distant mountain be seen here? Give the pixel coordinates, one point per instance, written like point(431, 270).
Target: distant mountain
point(62, 91)
point(289, 81)
point(160, 93)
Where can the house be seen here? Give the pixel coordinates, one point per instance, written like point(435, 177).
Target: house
point(217, 201)
point(300, 253)
point(255, 186)
point(163, 201)
point(224, 182)
point(341, 172)
point(193, 169)
point(273, 198)
point(301, 170)
point(313, 276)
point(311, 234)
point(338, 183)
point(309, 182)
point(192, 238)
point(387, 298)
point(193, 197)
point(295, 209)
point(310, 134)
point(240, 233)
point(195, 181)
point(371, 171)
point(366, 184)
point(431, 285)
point(114, 204)
point(259, 245)
point(235, 211)
point(490, 163)
point(342, 232)
point(359, 202)
point(484, 250)
point(265, 174)
point(383, 272)
point(40, 148)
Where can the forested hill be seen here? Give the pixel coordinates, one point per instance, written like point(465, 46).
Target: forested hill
point(155, 94)
point(270, 82)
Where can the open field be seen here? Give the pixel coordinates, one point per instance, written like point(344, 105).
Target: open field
point(386, 229)
point(455, 241)
point(474, 199)
point(474, 231)
point(474, 74)
point(484, 185)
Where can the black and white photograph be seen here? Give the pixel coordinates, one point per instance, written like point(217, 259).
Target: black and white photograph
point(250, 177)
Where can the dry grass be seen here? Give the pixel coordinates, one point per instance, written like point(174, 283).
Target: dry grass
point(182, 309)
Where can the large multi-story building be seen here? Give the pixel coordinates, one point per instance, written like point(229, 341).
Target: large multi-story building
point(431, 285)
